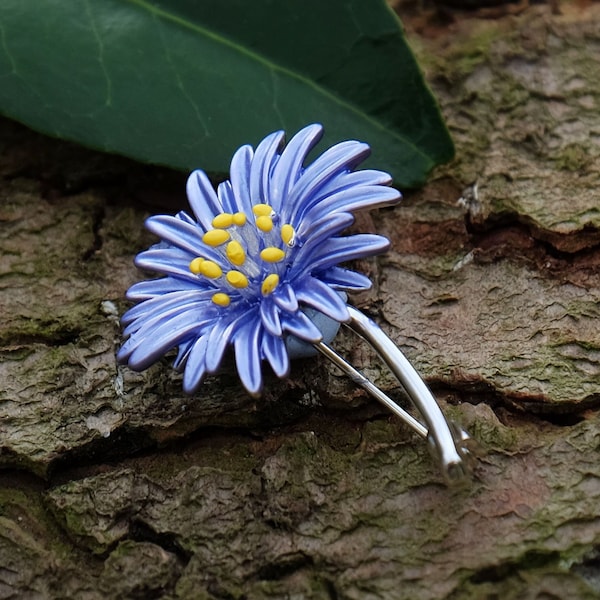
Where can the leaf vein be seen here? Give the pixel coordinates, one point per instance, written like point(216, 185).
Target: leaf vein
point(101, 62)
point(177, 76)
point(173, 18)
point(4, 45)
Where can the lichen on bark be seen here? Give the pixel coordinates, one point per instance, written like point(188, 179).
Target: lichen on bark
point(116, 485)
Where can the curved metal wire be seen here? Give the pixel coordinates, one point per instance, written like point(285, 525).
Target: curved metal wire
point(448, 440)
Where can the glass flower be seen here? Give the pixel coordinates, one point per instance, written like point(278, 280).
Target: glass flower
point(258, 261)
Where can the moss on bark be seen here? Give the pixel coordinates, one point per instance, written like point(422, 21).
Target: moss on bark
point(492, 290)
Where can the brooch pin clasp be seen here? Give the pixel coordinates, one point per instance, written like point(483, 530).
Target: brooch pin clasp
point(449, 442)
point(258, 267)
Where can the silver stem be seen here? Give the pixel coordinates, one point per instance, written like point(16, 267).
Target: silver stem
point(358, 378)
point(450, 447)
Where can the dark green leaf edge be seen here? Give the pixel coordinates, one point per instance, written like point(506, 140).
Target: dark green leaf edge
point(158, 12)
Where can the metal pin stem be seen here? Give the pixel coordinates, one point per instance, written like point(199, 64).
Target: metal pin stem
point(449, 445)
point(358, 378)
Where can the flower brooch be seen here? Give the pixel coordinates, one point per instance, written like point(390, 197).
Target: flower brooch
point(258, 268)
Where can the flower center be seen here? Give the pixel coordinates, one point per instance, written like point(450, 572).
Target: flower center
point(251, 254)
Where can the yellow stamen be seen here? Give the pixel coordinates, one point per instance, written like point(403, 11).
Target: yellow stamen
point(235, 253)
point(223, 221)
point(287, 234)
point(221, 299)
point(264, 223)
point(237, 279)
point(195, 265)
point(239, 219)
point(210, 269)
point(269, 284)
point(262, 210)
point(215, 237)
point(272, 255)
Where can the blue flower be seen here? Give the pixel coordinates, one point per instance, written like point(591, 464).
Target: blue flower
point(260, 253)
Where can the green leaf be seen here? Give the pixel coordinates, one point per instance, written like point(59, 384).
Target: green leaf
point(185, 82)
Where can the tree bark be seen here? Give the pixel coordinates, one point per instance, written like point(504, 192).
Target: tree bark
point(116, 485)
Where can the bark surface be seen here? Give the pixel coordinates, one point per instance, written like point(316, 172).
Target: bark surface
point(116, 485)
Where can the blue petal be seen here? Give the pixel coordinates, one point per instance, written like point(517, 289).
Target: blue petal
point(226, 197)
point(328, 327)
point(202, 198)
point(182, 353)
point(161, 302)
point(353, 179)
point(317, 294)
point(137, 328)
point(183, 216)
point(169, 261)
point(289, 167)
point(345, 181)
point(239, 175)
point(301, 326)
point(176, 262)
point(265, 156)
point(342, 249)
point(285, 297)
point(144, 290)
point(340, 278)
point(219, 338)
point(149, 347)
point(247, 355)
point(275, 351)
point(269, 315)
point(177, 232)
point(194, 366)
point(144, 331)
point(316, 232)
point(147, 313)
point(339, 158)
point(167, 252)
point(353, 199)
